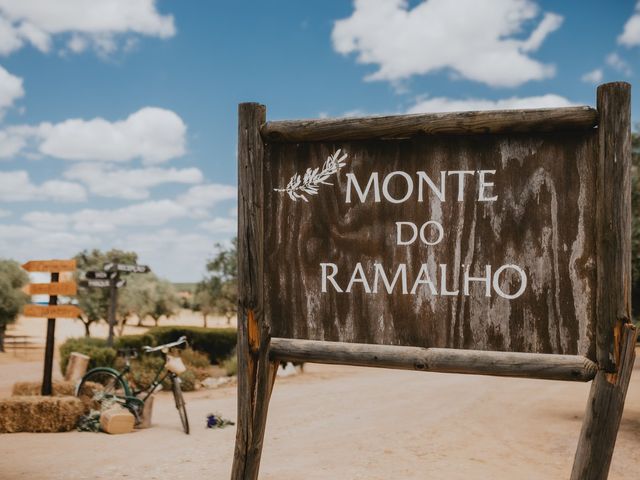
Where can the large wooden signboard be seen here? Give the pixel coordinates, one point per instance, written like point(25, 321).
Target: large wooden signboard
point(478, 242)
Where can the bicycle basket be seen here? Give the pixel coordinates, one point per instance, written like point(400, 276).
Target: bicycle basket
point(175, 365)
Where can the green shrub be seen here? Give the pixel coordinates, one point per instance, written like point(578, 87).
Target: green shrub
point(135, 341)
point(96, 348)
point(231, 364)
point(207, 345)
point(217, 343)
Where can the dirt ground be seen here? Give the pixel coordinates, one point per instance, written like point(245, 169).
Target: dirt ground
point(346, 423)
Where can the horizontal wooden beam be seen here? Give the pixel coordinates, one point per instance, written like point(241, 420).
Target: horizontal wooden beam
point(402, 126)
point(444, 360)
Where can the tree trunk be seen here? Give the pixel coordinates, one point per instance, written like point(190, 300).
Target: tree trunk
point(204, 317)
point(3, 328)
point(87, 324)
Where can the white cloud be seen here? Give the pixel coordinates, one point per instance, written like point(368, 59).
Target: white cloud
point(132, 184)
point(444, 104)
point(594, 76)
point(10, 86)
point(24, 242)
point(630, 36)
point(195, 203)
point(15, 186)
point(11, 142)
point(221, 225)
point(4, 213)
point(97, 24)
point(476, 39)
point(153, 134)
point(616, 62)
point(171, 253)
point(199, 199)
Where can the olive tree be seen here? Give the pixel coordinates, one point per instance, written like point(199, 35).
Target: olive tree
point(12, 298)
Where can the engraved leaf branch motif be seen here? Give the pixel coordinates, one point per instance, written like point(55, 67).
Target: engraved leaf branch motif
point(310, 182)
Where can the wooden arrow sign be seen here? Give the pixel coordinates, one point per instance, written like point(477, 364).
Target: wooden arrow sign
point(121, 267)
point(61, 288)
point(51, 311)
point(101, 283)
point(50, 266)
point(99, 275)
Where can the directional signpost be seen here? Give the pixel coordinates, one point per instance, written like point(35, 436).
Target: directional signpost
point(53, 310)
point(110, 278)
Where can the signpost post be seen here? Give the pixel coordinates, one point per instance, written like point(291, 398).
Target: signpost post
point(53, 311)
point(109, 278)
point(491, 243)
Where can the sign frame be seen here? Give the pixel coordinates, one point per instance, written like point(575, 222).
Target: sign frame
point(259, 354)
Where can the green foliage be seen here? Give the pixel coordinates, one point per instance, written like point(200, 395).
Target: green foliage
point(218, 292)
point(231, 364)
point(96, 348)
point(217, 343)
point(94, 302)
point(146, 295)
point(135, 341)
point(12, 299)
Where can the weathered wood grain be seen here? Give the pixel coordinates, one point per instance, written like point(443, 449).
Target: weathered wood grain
point(255, 371)
point(444, 360)
point(543, 221)
point(604, 412)
point(613, 218)
point(344, 129)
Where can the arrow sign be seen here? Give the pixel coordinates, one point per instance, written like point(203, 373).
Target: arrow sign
point(101, 283)
point(50, 266)
point(121, 267)
point(61, 288)
point(51, 311)
point(99, 275)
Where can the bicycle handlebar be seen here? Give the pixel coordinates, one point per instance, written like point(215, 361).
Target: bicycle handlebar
point(180, 341)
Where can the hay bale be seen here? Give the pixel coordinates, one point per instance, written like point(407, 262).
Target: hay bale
point(59, 389)
point(39, 414)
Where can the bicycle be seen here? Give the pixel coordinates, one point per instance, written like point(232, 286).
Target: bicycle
point(107, 386)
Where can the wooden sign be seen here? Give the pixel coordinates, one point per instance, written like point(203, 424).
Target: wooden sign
point(51, 311)
point(492, 243)
point(99, 275)
point(102, 283)
point(60, 288)
point(50, 266)
point(120, 267)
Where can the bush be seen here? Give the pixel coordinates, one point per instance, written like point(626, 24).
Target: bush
point(96, 348)
point(144, 369)
point(231, 364)
point(217, 343)
point(207, 345)
point(135, 341)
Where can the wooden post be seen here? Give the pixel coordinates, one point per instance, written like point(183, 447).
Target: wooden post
point(51, 333)
point(77, 366)
point(615, 337)
point(256, 373)
point(113, 306)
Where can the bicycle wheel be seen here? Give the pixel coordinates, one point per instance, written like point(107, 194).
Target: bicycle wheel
point(180, 405)
point(100, 388)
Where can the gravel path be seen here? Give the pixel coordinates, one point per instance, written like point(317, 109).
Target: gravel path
point(349, 423)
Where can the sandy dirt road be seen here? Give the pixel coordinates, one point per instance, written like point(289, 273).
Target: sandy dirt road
point(350, 423)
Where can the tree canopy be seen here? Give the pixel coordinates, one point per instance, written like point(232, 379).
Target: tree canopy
point(217, 293)
point(94, 302)
point(12, 298)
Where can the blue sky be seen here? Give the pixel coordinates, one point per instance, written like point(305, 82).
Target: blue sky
point(119, 119)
